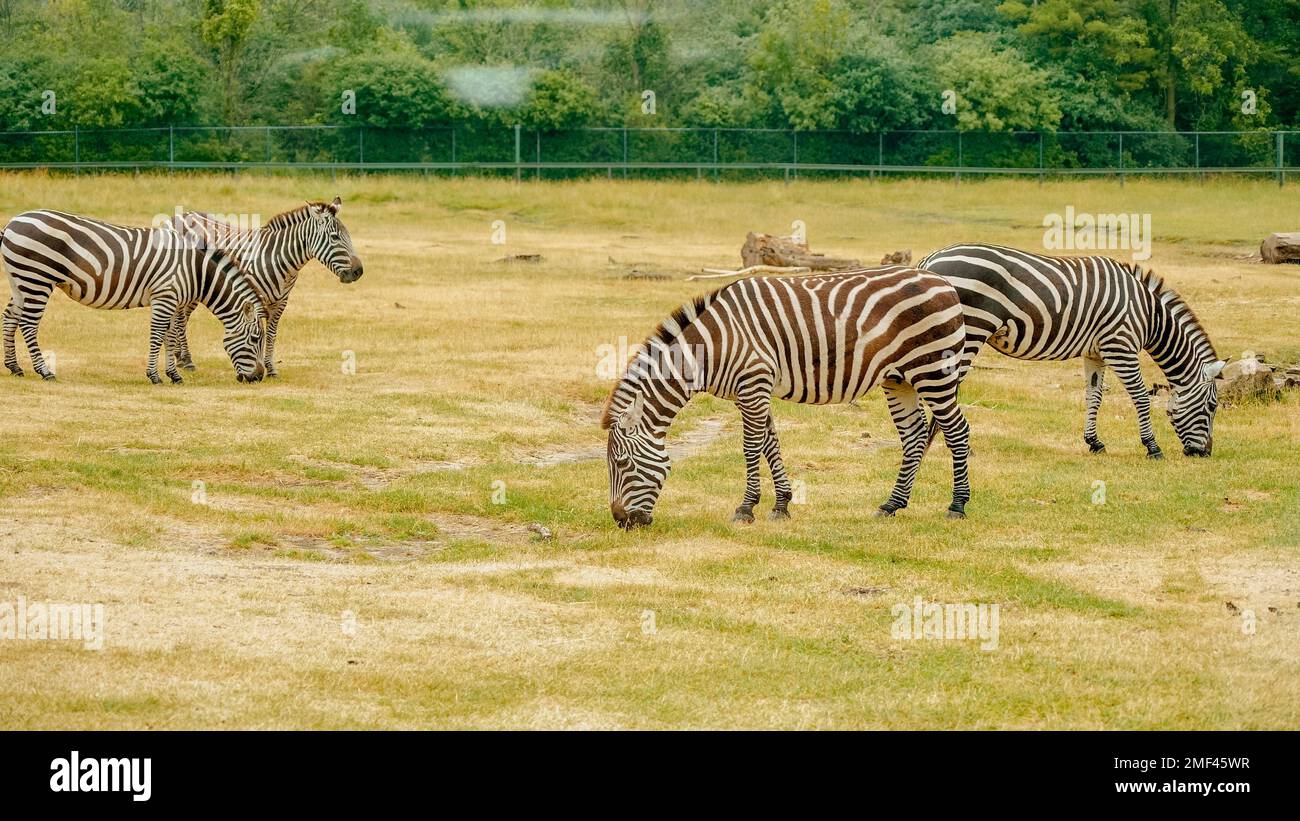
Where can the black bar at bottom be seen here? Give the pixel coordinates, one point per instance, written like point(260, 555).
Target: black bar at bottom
point(333, 770)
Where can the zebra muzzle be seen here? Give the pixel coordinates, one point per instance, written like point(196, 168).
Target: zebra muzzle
point(629, 519)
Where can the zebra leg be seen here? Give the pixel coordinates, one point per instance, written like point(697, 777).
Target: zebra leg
point(1125, 365)
point(909, 419)
point(10, 327)
point(780, 481)
point(171, 354)
point(956, 432)
point(272, 325)
point(29, 318)
point(1094, 375)
point(756, 417)
point(182, 341)
point(163, 311)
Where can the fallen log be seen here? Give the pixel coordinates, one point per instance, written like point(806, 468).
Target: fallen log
point(786, 252)
point(1278, 248)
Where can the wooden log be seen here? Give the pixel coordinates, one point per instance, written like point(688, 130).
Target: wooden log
point(785, 252)
point(1283, 247)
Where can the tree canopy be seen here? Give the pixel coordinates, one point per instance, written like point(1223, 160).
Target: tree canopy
point(852, 65)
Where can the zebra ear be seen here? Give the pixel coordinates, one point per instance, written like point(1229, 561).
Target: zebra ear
point(336, 206)
point(1212, 370)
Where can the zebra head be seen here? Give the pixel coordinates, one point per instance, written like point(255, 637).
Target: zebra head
point(638, 466)
point(1191, 410)
point(329, 241)
point(243, 339)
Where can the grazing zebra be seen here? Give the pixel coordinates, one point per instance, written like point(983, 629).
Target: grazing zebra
point(272, 255)
point(811, 339)
point(1032, 306)
point(108, 266)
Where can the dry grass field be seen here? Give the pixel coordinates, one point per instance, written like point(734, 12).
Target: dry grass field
point(353, 550)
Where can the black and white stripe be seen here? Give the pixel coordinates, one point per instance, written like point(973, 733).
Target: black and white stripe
point(109, 266)
point(1032, 306)
point(813, 340)
point(272, 256)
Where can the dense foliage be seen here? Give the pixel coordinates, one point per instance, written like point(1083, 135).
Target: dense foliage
point(853, 65)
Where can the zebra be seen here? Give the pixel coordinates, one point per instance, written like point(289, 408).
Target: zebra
point(110, 266)
point(272, 255)
point(818, 340)
point(1032, 306)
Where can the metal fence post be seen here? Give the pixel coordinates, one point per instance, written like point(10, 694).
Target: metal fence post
point(171, 147)
point(76, 145)
point(453, 151)
point(361, 144)
point(537, 172)
point(796, 154)
point(1198, 156)
point(1281, 161)
point(268, 143)
point(1040, 158)
point(958, 156)
point(715, 154)
point(624, 152)
point(518, 130)
point(1121, 159)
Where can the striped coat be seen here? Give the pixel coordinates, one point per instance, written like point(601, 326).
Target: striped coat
point(108, 266)
point(813, 340)
point(1032, 306)
point(272, 256)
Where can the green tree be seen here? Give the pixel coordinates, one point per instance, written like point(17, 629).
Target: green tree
point(225, 27)
point(1205, 53)
point(996, 88)
point(1092, 38)
point(393, 88)
point(559, 100)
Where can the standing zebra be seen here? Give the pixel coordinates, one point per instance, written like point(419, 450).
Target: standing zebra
point(1031, 306)
point(272, 255)
point(108, 266)
point(812, 339)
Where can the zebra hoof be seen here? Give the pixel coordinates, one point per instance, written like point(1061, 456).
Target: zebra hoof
point(884, 511)
point(48, 376)
point(189, 366)
point(956, 513)
point(1155, 454)
point(779, 513)
point(153, 377)
point(1096, 447)
point(16, 371)
point(743, 516)
point(176, 380)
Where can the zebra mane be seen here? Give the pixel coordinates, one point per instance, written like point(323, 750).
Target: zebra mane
point(285, 219)
point(664, 333)
point(1171, 299)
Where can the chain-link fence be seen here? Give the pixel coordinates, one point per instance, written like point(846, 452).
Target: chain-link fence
point(698, 152)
